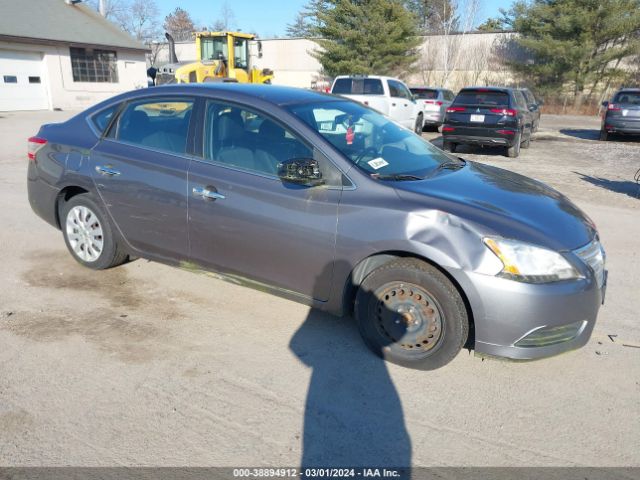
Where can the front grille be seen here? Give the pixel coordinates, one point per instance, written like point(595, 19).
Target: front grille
point(593, 255)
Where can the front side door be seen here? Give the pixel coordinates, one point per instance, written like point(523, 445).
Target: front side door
point(140, 171)
point(244, 220)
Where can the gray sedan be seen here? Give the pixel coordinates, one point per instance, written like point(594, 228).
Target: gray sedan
point(325, 201)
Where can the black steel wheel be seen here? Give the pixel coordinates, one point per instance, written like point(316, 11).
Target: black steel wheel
point(410, 313)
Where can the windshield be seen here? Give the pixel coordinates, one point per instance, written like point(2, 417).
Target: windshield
point(632, 98)
point(358, 86)
point(425, 93)
point(212, 48)
point(370, 140)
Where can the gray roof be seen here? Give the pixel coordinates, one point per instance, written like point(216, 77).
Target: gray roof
point(55, 21)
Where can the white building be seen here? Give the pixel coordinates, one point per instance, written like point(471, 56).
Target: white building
point(57, 54)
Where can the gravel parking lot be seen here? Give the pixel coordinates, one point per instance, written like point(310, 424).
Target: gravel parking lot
point(151, 365)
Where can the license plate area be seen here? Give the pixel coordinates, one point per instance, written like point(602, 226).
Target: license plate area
point(477, 118)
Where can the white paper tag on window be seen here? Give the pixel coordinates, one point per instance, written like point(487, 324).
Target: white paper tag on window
point(377, 163)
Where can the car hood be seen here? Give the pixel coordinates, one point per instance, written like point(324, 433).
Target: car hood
point(504, 203)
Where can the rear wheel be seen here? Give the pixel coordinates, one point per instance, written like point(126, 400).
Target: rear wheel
point(88, 234)
point(514, 150)
point(604, 135)
point(527, 142)
point(410, 313)
point(449, 146)
point(418, 125)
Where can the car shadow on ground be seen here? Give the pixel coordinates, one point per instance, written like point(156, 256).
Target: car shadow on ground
point(473, 149)
point(353, 414)
point(627, 187)
point(591, 134)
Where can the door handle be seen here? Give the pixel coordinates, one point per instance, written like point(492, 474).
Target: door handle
point(393, 104)
point(207, 193)
point(107, 170)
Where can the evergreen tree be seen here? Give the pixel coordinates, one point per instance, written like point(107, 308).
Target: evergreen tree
point(580, 42)
point(365, 37)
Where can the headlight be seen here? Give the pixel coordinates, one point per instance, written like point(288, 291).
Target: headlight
point(530, 264)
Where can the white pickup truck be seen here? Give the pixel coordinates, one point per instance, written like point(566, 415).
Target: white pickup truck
point(386, 94)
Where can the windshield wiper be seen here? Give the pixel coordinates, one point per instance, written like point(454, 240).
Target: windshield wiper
point(396, 177)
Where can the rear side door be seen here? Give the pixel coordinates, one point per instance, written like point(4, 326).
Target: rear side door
point(403, 107)
point(243, 220)
point(140, 172)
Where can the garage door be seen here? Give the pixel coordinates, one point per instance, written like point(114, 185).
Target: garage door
point(22, 85)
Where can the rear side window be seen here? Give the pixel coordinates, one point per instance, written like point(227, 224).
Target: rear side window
point(358, 86)
point(520, 100)
point(425, 93)
point(160, 124)
point(631, 98)
point(448, 95)
point(528, 96)
point(482, 97)
point(101, 119)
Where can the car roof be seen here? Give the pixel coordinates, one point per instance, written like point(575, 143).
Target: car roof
point(493, 89)
point(629, 89)
point(270, 93)
point(380, 77)
point(426, 87)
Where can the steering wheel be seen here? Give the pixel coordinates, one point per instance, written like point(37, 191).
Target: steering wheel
point(368, 150)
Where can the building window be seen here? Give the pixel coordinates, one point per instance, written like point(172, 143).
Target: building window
point(10, 79)
point(94, 65)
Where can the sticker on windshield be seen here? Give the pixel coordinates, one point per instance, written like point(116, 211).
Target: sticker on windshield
point(377, 163)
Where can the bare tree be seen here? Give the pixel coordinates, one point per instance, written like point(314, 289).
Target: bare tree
point(140, 19)
point(111, 8)
point(453, 27)
point(179, 24)
point(226, 19)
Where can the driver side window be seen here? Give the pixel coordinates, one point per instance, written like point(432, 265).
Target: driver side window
point(245, 139)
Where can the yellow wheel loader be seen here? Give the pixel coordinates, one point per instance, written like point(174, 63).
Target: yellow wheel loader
point(221, 57)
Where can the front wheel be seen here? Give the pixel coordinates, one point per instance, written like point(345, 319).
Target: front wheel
point(604, 135)
point(88, 234)
point(410, 313)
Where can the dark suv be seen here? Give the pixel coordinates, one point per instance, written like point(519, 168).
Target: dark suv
point(492, 116)
point(622, 114)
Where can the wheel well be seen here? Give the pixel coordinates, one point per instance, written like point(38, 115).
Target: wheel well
point(369, 264)
point(64, 196)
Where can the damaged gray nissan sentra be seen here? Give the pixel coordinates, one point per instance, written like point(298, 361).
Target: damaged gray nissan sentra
point(327, 202)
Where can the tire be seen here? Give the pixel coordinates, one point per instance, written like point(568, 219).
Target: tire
point(514, 150)
point(527, 142)
point(604, 135)
point(419, 125)
point(409, 313)
point(81, 220)
point(449, 146)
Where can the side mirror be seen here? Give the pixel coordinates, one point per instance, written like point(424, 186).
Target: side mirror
point(259, 49)
point(605, 104)
point(301, 171)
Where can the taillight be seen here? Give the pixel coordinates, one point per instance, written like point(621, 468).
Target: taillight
point(455, 109)
point(433, 102)
point(509, 112)
point(34, 144)
point(506, 132)
point(448, 129)
point(613, 107)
